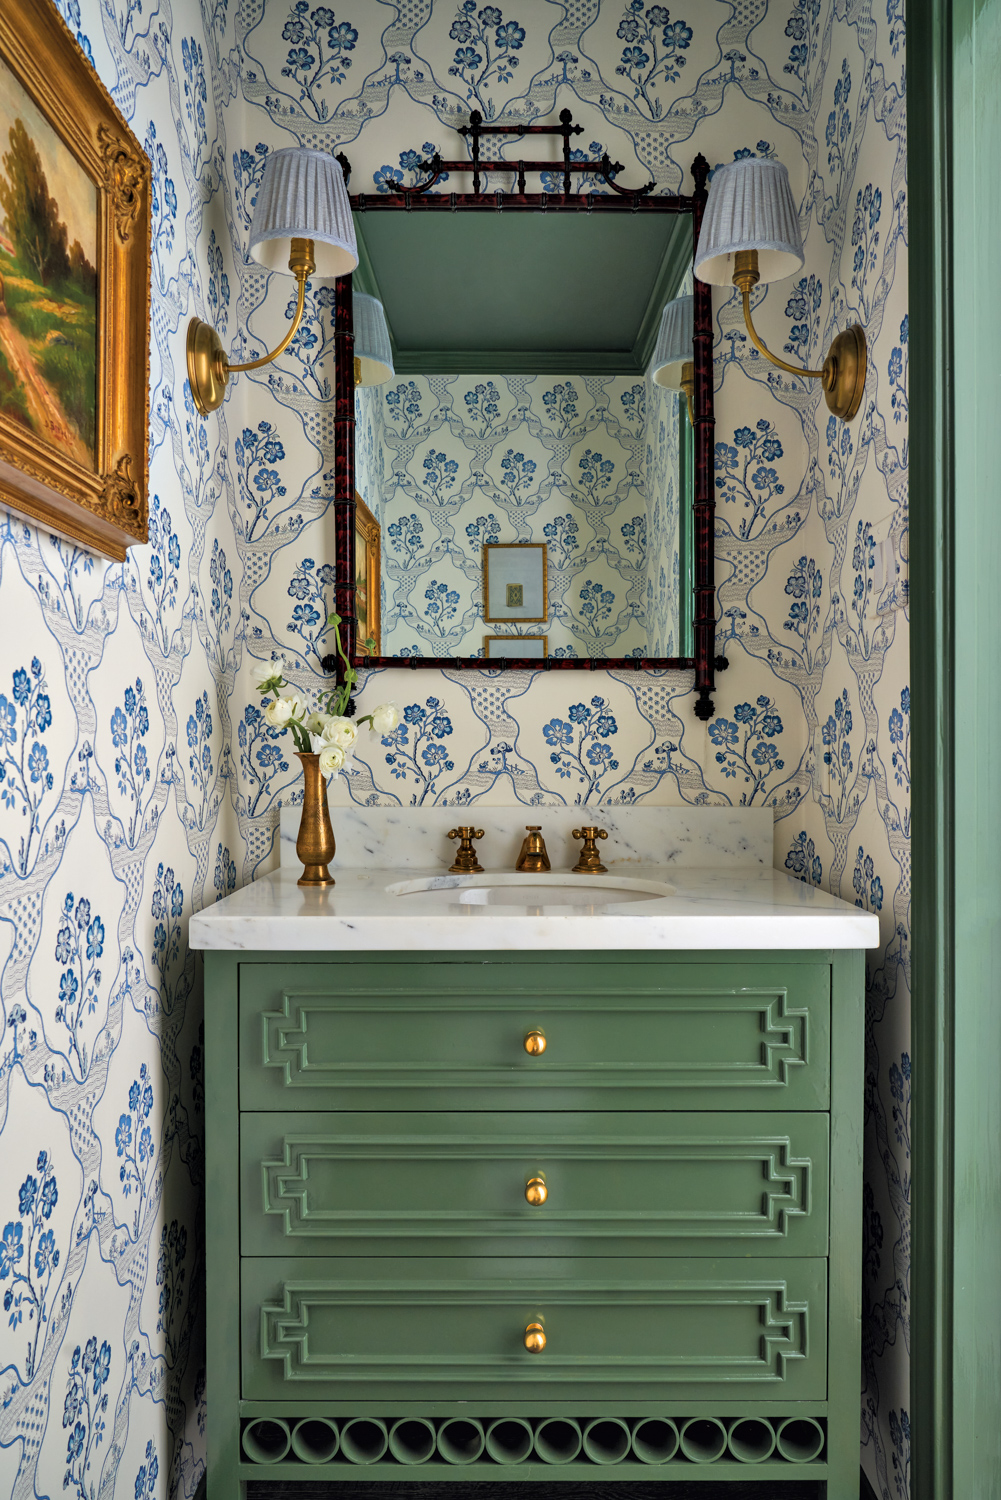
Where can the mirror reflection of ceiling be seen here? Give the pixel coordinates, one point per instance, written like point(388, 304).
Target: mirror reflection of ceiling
point(517, 292)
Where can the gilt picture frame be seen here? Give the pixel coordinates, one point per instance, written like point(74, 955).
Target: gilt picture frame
point(515, 583)
point(521, 647)
point(75, 218)
point(368, 579)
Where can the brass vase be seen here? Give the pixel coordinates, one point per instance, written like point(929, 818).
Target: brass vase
point(315, 844)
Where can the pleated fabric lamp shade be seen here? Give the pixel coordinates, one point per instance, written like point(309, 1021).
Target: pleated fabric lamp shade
point(750, 207)
point(674, 348)
point(302, 196)
point(373, 350)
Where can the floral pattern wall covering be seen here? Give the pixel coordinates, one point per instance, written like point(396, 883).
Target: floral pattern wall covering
point(450, 464)
point(139, 781)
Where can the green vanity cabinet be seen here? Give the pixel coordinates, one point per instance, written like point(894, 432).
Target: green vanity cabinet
point(440, 1249)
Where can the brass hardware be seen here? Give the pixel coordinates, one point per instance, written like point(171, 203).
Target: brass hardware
point(208, 367)
point(536, 1191)
point(688, 386)
point(357, 372)
point(533, 857)
point(315, 844)
point(466, 862)
point(844, 369)
point(535, 1043)
point(589, 862)
point(535, 1338)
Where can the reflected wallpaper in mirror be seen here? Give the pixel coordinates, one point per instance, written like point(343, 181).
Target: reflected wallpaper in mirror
point(596, 467)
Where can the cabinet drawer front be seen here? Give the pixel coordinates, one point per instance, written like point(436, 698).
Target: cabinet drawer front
point(452, 1036)
point(455, 1329)
point(615, 1184)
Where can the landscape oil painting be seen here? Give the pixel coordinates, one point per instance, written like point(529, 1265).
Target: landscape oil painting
point(48, 280)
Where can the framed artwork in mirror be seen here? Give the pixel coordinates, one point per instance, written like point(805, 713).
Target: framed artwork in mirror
point(553, 486)
point(368, 575)
point(524, 647)
point(74, 291)
point(515, 586)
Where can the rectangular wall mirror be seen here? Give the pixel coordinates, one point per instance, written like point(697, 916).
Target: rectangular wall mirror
point(520, 474)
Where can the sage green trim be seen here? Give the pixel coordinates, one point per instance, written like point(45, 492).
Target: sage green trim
point(845, 1290)
point(222, 1240)
point(954, 61)
point(517, 362)
point(931, 571)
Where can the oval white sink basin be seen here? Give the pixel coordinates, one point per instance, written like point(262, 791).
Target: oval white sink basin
point(558, 893)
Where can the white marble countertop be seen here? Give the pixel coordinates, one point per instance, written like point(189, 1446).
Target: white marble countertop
point(749, 908)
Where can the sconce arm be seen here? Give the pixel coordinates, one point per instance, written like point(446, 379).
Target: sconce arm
point(302, 264)
point(208, 367)
point(265, 359)
point(762, 349)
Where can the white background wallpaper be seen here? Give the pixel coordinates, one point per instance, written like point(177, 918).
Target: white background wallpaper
point(138, 781)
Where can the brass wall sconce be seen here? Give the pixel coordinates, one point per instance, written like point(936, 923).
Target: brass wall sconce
point(302, 211)
point(750, 233)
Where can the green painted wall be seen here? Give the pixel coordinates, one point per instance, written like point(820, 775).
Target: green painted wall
point(956, 532)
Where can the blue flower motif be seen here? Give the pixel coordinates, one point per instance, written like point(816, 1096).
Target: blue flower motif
point(26, 1196)
point(558, 733)
point(46, 1254)
point(723, 732)
point(95, 938)
point(11, 1249)
point(102, 1367)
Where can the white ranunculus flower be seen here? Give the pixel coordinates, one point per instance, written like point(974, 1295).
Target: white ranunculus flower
point(275, 677)
point(385, 718)
point(315, 722)
point(331, 760)
point(285, 707)
point(279, 712)
point(339, 731)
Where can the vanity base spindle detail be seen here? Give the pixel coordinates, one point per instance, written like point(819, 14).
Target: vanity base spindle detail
point(678, 1304)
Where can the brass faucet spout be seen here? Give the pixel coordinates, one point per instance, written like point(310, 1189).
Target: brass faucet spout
point(533, 857)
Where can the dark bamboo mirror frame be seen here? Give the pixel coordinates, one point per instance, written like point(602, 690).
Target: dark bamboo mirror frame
point(704, 662)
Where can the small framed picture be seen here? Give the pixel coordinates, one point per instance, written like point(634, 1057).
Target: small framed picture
point(368, 565)
point(514, 583)
point(532, 646)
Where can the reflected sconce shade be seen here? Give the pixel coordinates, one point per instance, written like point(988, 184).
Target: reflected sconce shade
point(373, 351)
point(302, 220)
point(673, 365)
point(750, 233)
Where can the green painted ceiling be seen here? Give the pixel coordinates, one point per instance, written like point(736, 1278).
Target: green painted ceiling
point(509, 293)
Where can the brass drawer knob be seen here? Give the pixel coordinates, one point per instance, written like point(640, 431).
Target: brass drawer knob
point(536, 1191)
point(535, 1338)
point(535, 1043)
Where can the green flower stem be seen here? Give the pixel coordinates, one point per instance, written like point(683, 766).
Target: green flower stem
point(337, 698)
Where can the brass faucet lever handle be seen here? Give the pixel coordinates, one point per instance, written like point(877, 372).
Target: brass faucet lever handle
point(589, 862)
point(533, 857)
point(466, 862)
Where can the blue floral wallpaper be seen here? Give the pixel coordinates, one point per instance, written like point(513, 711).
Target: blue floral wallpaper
point(138, 779)
point(585, 465)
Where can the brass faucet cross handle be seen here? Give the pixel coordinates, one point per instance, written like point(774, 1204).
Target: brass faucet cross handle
point(590, 861)
point(466, 862)
point(533, 857)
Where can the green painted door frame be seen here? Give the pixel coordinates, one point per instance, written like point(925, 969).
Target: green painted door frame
point(954, 86)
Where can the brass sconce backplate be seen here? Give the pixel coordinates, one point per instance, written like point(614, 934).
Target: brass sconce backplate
point(843, 376)
point(207, 372)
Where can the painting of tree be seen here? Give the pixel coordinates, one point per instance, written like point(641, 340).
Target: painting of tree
point(48, 280)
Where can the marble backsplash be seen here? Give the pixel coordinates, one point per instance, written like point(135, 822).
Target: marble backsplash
point(416, 837)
